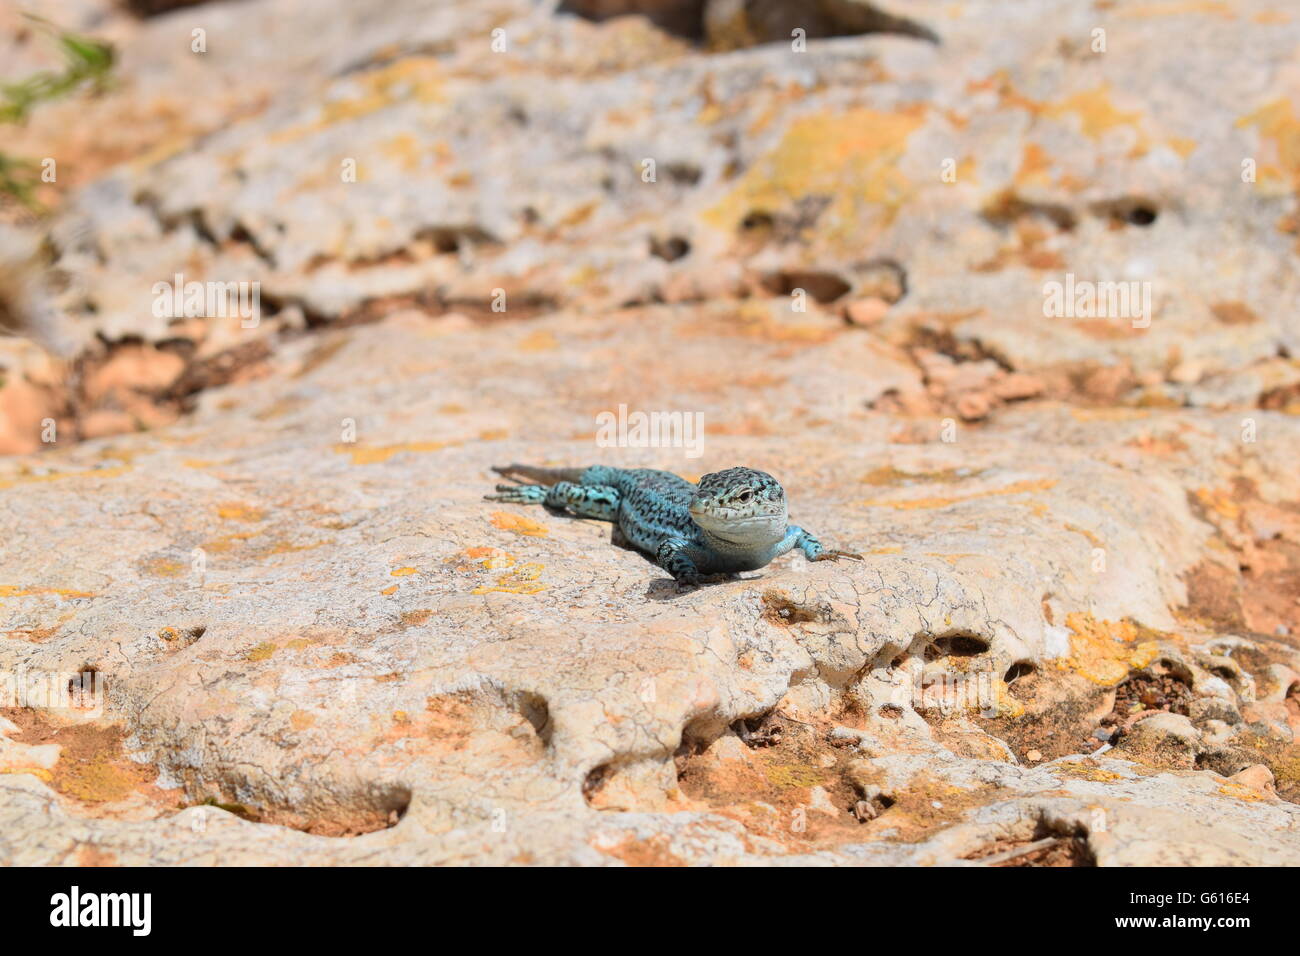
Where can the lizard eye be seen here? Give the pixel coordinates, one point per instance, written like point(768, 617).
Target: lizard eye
point(745, 495)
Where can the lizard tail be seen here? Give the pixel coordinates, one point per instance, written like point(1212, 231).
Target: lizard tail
point(531, 474)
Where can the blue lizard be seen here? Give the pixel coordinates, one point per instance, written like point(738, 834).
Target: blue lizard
point(732, 521)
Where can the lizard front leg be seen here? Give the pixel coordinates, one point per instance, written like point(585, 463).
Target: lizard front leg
point(673, 555)
point(797, 537)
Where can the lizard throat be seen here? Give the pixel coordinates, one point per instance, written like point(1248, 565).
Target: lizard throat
point(742, 536)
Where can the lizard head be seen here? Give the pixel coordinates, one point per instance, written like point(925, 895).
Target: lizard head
point(741, 506)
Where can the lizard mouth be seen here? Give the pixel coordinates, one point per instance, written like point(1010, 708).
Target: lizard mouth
point(740, 528)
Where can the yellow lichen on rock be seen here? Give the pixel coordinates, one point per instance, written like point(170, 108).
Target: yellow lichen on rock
point(852, 156)
point(523, 579)
point(1105, 651)
point(507, 521)
point(363, 455)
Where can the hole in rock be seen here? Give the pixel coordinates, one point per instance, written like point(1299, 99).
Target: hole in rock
point(758, 23)
point(1225, 761)
point(765, 730)
point(781, 609)
point(670, 249)
point(1141, 216)
point(825, 287)
point(368, 810)
point(1019, 669)
point(534, 709)
point(84, 685)
point(881, 278)
point(956, 645)
point(1023, 680)
point(595, 780)
point(866, 810)
point(1129, 211)
point(686, 174)
point(1046, 846)
point(683, 18)
point(152, 8)
point(1007, 209)
point(1160, 687)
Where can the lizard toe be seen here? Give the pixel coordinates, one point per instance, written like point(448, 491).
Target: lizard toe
point(836, 555)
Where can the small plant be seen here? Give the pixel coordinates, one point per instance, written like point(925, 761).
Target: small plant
point(86, 63)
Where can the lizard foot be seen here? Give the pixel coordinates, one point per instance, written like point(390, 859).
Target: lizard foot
point(836, 555)
point(518, 494)
point(688, 581)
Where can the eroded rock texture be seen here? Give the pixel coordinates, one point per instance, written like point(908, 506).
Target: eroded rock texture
point(1072, 640)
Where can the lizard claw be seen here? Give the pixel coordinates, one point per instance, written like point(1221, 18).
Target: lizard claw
point(516, 494)
point(836, 555)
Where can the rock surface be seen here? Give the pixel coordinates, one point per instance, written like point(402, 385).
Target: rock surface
point(1073, 636)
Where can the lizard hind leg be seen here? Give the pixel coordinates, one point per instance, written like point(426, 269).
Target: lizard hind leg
point(589, 501)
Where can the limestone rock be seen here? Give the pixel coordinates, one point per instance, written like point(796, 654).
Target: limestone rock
point(262, 614)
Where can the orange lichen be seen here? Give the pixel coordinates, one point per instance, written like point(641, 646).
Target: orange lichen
point(14, 590)
point(1220, 502)
point(1276, 120)
point(363, 455)
point(1240, 792)
point(1096, 111)
point(851, 156)
point(523, 579)
point(417, 617)
point(24, 478)
point(1085, 771)
point(539, 341)
point(518, 524)
point(1170, 8)
point(227, 542)
point(1035, 166)
point(415, 78)
point(1105, 651)
point(164, 568)
point(238, 512)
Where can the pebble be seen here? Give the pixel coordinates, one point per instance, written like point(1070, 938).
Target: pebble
point(867, 311)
